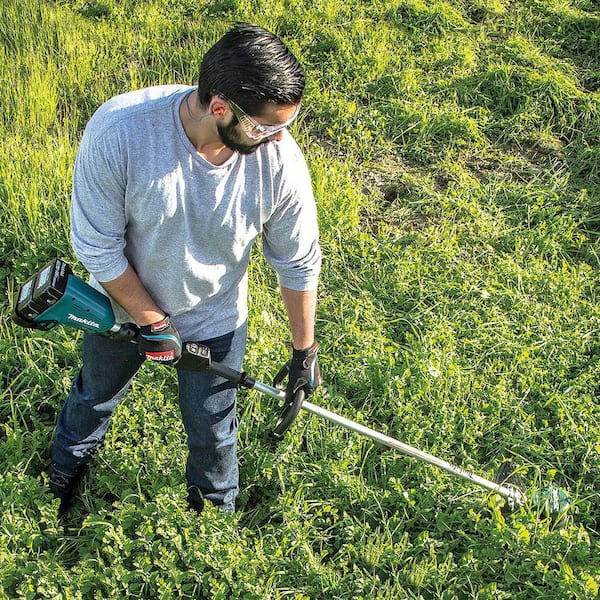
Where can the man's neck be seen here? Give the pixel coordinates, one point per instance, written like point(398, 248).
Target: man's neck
point(202, 132)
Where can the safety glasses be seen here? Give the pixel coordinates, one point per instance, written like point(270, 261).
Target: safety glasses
point(255, 131)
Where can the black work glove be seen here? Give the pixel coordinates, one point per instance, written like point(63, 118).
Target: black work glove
point(160, 342)
point(303, 371)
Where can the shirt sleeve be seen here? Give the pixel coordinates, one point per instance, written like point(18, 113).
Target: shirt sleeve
point(98, 221)
point(291, 234)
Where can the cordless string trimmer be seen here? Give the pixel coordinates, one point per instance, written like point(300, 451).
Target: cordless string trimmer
point(56, 296)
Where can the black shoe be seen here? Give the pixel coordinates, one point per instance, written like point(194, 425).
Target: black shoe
point(195, 498)
point(63, 486)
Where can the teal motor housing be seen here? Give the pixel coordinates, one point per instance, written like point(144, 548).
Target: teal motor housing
point(55, 296)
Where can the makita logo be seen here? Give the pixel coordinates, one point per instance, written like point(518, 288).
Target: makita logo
point(166, 356)
point(81, 321)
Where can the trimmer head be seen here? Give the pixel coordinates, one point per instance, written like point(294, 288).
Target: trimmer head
point(552, 502)
point(549, 501)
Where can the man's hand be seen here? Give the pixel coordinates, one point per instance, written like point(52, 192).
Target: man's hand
point(303, 371)
point(160, 342)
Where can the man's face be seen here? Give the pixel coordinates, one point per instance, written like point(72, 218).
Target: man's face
point(243, 133)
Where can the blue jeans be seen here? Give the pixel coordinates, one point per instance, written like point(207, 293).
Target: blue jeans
point(207, 403)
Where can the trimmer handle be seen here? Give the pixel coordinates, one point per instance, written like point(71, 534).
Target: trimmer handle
point(288, 414)
point(291, 406)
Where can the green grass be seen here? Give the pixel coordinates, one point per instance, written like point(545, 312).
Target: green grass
point(454, 153)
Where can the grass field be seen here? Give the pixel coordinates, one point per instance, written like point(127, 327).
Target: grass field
point(455, 154)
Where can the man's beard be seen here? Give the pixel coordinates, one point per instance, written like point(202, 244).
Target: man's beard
point(230, 136)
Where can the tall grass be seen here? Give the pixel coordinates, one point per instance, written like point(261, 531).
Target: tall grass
point(454, 153)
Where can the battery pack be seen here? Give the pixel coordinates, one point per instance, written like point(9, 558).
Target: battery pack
point(43, 289)
point(56, 296)
point(51, 283)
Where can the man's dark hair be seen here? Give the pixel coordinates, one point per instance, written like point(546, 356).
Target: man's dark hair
point(251, 66)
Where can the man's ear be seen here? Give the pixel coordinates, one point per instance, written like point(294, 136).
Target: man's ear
point(217, 106)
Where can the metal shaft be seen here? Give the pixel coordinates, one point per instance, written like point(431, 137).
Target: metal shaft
point(510, 493)
point(268, 390)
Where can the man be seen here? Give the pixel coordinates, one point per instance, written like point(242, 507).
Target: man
point(171, 186)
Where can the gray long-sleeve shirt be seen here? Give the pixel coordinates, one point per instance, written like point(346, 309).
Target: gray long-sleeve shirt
point(142, 195)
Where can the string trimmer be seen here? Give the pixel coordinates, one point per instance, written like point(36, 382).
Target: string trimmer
point(56, 296)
